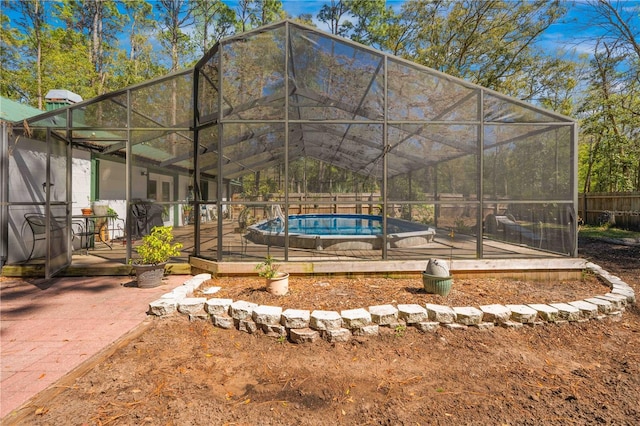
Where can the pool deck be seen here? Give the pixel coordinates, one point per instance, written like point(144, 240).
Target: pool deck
point(237, 249)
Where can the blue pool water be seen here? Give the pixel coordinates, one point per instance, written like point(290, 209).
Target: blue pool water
point(340, 232)
point(331, 224)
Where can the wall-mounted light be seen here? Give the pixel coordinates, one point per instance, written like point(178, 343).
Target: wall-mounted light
point(143, 173)
point(44, 186)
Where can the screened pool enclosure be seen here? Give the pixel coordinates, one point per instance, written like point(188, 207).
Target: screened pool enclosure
point(286, 121)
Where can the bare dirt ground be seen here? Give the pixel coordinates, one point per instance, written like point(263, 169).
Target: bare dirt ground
point(182, 373)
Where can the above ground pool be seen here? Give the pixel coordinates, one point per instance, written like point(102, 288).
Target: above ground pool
point(340, 232)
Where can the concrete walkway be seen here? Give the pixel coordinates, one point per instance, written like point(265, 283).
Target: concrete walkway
point(49, 328)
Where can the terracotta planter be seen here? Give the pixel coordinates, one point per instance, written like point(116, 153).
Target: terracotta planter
point(437, 285)
point(149, 276)
point(278, 285)
point(87, 211)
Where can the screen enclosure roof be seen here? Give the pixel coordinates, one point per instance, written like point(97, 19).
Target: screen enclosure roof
point(287, 91)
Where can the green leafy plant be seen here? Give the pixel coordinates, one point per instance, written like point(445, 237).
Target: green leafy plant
point(157, 246)
point(400, 329)
point(267, 268)
point(111, 212)
point(461, 227)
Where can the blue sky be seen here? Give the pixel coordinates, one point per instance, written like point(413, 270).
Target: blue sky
point(570, 35)
point(573, 32)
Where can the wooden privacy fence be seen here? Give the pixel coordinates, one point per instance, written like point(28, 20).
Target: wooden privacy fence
point(619, 208)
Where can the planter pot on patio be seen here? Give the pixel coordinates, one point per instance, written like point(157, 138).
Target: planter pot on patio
point(149, 276)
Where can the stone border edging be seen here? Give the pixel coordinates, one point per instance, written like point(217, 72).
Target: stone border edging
point(303, 325)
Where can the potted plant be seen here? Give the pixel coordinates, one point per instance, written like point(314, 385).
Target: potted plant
point(187, 214)
point(277, 281)
point(436, 277)
point(87, 210)
point(154, 251)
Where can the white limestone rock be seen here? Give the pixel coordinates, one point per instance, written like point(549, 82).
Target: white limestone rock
point(217, 306)
point(241, 309)
point(247, 325)
point(172, 295)
point(264, 314)
point(617, 301)
point(337, 335)
point(629, 294)
point(181, 292)
point(522, 313)
point(615, 316)
point(495, 313)
point(303, 335)
point(440, 313)
point(325, 320)
point(295, 318)
point(199, 316)
point(412, 313)
point(274, 330)
point(546, 312)
point(566, 312)
point(587, 310)
point(486, 326)
point(427, 326)
point(223, 321)
point(604, 306)
point(355, 318)
point(511, 324)
point(468, 315)
point(454, 326)
point(384, 314)
point(162, 307)
point(367, 330)
point(191, 305)
point(196, 281)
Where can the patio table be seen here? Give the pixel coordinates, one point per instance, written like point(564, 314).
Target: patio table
point(94, 225)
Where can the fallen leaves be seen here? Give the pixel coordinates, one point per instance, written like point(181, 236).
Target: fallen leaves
point(41, 410)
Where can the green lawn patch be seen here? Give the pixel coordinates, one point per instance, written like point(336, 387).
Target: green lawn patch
point(606, 232)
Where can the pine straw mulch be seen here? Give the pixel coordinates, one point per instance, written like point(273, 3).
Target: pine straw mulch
point(340, 293)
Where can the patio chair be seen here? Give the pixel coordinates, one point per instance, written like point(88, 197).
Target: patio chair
point(204, 214)
point(85, 231)
point(117, 229)
point(38, 224)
